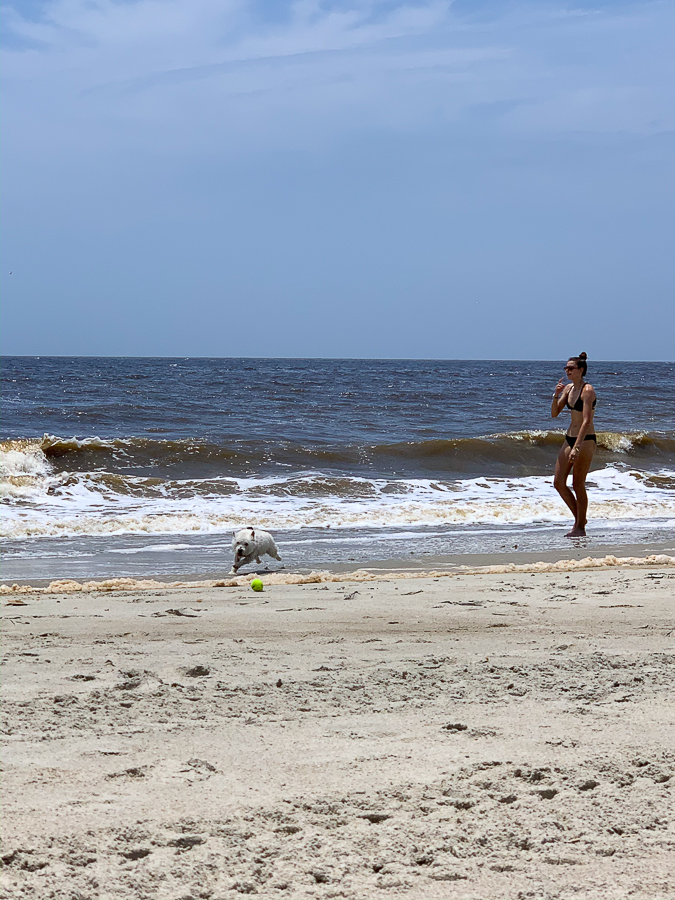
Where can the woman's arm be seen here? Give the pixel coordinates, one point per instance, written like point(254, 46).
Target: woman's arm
point(558, 401)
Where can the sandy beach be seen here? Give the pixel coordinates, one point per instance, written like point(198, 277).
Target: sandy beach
point(473, 735)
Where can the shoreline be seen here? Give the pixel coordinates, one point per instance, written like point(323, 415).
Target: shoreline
point(575, 559)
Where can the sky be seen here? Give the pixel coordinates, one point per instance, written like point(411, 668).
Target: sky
point(468, 179)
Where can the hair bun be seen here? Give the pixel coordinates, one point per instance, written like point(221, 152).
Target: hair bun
point(583, 356)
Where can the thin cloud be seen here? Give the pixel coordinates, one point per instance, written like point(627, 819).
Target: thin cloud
point(560, 68)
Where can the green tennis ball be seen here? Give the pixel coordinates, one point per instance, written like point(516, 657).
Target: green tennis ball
point(257, 584)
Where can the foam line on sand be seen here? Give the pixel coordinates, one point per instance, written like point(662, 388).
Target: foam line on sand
point(67, 586)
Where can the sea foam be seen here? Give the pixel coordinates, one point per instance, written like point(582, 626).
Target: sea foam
point(41, 498)
point(85, 504)
point(70, 586)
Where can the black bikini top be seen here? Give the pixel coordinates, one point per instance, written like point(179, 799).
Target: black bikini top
point(579, 405)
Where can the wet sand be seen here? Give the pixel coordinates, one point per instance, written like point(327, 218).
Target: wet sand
point(504, 734)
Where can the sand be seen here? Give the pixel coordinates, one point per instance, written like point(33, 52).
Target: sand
point(502, 734)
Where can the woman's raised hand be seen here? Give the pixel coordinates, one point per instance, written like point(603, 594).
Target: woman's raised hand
point(559, 388)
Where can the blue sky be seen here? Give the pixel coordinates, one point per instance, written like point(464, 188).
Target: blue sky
point(373, 179)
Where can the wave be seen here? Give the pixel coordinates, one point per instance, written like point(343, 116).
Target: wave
point(622, 441)
point(26, 473)
point(526, 452)
point(52, 487)
point(24, 469)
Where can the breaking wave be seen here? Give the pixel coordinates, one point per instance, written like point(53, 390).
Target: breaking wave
point(482, 455)
point(64, 487)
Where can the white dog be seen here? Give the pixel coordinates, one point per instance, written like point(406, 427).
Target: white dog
point(249, 544)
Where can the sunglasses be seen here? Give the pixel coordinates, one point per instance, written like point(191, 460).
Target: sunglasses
point(570, 368)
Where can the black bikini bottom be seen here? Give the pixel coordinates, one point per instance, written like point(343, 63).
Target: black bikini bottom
point(571, 439)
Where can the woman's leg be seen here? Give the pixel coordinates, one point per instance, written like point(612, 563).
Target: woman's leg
point(579, 473)
point(562, 470)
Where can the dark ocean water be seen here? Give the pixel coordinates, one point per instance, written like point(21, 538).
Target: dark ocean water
point(141, 466)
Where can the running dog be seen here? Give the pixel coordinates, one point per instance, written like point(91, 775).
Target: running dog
point(249, 544)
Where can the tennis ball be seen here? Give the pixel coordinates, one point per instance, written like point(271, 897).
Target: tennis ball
point(257, 584)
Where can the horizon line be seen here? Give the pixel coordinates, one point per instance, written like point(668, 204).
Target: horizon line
point(6, 356)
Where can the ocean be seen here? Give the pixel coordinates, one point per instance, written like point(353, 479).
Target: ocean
point(145, 466)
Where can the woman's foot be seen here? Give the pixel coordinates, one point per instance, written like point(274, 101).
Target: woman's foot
point(576, 532)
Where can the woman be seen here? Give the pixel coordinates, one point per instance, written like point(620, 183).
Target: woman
point(576, 454)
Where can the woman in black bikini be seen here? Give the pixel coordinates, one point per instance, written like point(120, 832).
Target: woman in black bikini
point(576, 454)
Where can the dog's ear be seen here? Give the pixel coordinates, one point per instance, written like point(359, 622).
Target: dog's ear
point(252, 533)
